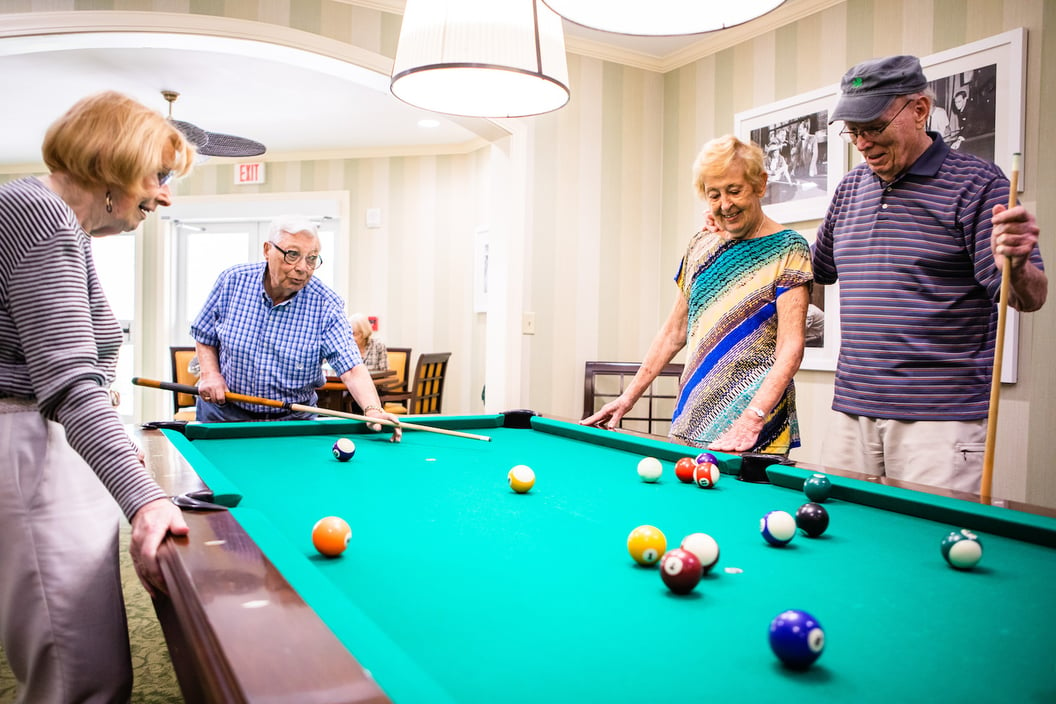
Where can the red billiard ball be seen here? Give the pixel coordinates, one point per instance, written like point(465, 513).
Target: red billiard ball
point(330, 536)
point(706, 475)
point(681, 570)
point(684, 469)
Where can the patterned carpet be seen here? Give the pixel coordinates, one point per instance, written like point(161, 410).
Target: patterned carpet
point(155, 682)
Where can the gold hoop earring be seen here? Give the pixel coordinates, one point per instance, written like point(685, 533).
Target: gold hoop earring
point(109, 203)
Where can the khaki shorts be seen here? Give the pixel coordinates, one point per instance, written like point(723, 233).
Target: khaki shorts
point(946, 454)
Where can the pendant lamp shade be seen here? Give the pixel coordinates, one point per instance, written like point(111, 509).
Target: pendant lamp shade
point(661, 18)
point(481, 58)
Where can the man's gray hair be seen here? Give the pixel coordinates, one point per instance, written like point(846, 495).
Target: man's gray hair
point(291, 224)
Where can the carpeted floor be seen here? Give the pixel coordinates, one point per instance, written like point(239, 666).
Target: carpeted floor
point(155, 682)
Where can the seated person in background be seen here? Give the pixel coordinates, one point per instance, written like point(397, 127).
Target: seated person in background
point(741, 308)
point(371, 348)
point(266, 328)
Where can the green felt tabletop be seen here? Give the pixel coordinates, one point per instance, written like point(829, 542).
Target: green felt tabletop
point(454, 588)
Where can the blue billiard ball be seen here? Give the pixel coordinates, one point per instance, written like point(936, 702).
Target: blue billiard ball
point(778, 527)
point(817, 488)
point(796, 638)
point(344, 449)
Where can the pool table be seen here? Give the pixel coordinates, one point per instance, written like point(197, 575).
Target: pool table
point(456, 589)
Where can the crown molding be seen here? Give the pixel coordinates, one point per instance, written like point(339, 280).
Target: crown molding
point(709, 43)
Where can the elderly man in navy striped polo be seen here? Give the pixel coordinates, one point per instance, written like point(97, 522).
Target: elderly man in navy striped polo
point(912, 235)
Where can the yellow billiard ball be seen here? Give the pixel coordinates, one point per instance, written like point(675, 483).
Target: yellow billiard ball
point(647, 544)
point(521, 478)
point(331, 535)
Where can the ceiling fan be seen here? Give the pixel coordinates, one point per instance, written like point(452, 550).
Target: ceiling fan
point(213, 143)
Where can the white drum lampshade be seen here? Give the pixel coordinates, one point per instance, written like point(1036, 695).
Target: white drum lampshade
point(659, 18)
point(481, 58)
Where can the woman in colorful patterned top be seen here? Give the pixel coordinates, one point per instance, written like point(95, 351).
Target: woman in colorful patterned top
point(744, 287)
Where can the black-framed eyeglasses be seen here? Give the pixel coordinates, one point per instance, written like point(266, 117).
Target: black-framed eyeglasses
point(164, 177)
point(290, 257)
point(871, 133)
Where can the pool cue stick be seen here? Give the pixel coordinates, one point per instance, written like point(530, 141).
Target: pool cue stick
point(193, 390)
point(999, 349)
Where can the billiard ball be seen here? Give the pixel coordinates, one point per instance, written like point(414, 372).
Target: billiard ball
point(812, 519)
point(521, 478)
point(706, 475)
point(331, 535)
point(684, 469)
point(962, 549)
point(817, 488)
point(681, 571)
point(704, 547)
point(344, 449)
point(646, 544)
point(796, 638)
point(778, 527)
point(650, 469)
point(706, 457)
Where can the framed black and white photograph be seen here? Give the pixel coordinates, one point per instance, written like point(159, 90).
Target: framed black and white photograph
point(823, 329)
point(979, 96)
point(805, 156)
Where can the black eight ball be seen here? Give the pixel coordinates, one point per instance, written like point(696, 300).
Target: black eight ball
point(812, 519)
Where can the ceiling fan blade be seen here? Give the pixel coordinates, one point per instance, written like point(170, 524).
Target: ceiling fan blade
point(194, 134)
point(220, 144)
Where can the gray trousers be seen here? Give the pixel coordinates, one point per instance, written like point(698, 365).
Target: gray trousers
point(62, 615)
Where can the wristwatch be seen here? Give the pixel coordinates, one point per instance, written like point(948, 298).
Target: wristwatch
point(756, 411)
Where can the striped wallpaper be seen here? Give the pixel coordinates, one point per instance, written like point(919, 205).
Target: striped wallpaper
point(599, 206)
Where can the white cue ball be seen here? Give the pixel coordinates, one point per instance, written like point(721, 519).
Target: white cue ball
point(704, 547)
point(650, 469)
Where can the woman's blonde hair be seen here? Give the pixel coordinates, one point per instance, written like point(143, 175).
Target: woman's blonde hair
point(361, 324)
point(110, 139)
point(718, 155)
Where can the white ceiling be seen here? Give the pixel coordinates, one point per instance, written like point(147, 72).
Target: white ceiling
point(290, 100)
point(293, 101)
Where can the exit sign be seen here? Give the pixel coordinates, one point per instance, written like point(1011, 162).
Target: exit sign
point(252, 172)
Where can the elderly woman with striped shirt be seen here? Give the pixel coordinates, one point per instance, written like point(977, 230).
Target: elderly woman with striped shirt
point(64, 455)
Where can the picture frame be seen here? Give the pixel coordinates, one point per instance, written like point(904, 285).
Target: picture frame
point(982, 85)
point(805, 155)
point(822, 347)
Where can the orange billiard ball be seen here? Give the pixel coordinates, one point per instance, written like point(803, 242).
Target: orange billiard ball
point(331, 535)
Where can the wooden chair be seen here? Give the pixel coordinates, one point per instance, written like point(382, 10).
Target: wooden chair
point(604, 381)
point(426, 394)
point(399, 362)
point(182, 404)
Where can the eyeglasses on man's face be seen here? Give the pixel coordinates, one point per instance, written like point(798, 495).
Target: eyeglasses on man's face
point(165, 177)
point(871, 133)
point(291, 257)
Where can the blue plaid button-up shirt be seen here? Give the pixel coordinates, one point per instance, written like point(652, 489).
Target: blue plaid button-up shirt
point(274, 351)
